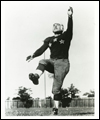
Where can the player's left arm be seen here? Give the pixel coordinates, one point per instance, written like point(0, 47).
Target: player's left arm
point(67, 35)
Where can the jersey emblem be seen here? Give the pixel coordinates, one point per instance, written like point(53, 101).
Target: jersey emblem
point(61, 41)
point(55, 40)
point(50, 44)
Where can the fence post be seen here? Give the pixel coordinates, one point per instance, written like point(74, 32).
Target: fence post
point(88, 102)
point(17, 104)
point(8, 104)
point(93, 102)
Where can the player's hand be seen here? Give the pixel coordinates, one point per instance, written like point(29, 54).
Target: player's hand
point(29, 58)
point(70, 11)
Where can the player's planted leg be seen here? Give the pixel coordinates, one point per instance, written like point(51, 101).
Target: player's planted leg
point(57, 98)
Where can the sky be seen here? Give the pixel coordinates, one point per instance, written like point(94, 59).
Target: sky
point(27, 24)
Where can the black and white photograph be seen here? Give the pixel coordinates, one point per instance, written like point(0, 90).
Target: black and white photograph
point(50, 59)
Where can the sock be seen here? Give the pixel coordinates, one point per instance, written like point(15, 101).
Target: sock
point(56, 104)
point(39, 72)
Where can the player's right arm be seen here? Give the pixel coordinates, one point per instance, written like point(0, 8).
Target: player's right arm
point(39, 51)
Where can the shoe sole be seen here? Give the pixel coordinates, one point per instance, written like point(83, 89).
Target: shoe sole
point(33, 78)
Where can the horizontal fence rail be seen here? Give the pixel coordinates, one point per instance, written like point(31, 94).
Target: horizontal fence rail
point(76, 102)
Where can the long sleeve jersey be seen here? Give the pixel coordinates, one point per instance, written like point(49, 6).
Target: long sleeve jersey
point(58, 45)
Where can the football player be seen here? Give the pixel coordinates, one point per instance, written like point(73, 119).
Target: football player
point(58, 64)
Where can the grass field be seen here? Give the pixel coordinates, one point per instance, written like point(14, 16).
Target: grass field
point(71, 111)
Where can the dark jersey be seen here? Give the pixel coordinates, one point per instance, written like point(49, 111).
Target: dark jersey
point(59, 45)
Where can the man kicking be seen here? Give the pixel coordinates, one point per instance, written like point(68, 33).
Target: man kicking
point(58, 64)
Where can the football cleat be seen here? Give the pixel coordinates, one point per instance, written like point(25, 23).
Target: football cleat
point(34, 78)
point(54, 112)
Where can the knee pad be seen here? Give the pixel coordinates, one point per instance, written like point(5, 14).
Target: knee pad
point(43, 62)
point(57, 97)
point(41, 67)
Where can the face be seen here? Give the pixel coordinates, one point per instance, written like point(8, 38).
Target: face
point(58, 28)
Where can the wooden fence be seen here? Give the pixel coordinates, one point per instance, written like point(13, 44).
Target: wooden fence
point(86, 102)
